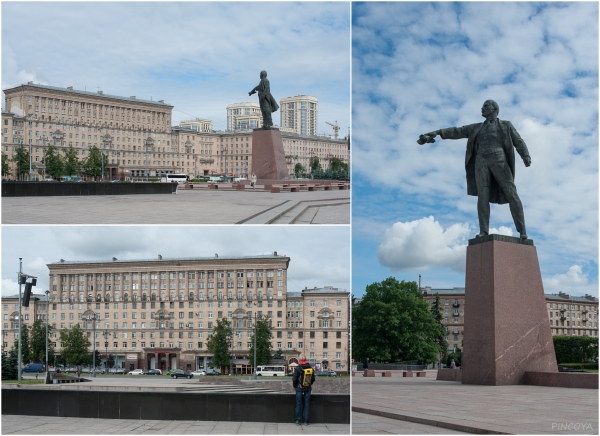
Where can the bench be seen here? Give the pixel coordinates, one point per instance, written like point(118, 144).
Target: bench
point(386, 373)
point(213, 186)
point(327, 188)
point(369, 373)
point(314, 187)
point(421, 374)
point(240, 187)
point(188, 186)
point(407, 373)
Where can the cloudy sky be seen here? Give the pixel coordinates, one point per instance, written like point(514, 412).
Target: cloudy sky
point(419, 67)
point(319, 255)
point(196, 56)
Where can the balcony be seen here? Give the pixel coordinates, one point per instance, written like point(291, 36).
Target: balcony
point(456, 305)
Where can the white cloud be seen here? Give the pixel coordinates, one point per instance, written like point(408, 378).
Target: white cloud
point(423, 244)
point(573, 278)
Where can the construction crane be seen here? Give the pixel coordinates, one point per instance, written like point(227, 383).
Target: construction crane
point(336, 128)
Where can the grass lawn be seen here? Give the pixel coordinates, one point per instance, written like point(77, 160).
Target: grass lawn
point(26, 381)
point(591, 370)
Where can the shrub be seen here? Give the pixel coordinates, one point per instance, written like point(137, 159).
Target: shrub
point(575, 349)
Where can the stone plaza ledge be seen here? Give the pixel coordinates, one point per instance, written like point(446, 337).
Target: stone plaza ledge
point(173, 406)
point(55, 189)
point(480, 409)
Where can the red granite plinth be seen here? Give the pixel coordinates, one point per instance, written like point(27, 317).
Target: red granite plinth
point(507, 329)
point(562, 379)
point(268, 157)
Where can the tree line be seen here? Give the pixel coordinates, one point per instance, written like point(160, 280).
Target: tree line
point(57, 164)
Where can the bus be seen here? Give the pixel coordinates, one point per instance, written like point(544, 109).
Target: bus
point(169, 178)
point(271, 370)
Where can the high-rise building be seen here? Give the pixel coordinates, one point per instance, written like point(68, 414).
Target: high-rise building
point(299, 114)
point(160, 313)
point(243, 116)
point(197, 125)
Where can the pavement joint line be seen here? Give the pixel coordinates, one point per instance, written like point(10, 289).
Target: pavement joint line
point(312, 206)
point(260, 213)
point(426, 421)
point(272, 220)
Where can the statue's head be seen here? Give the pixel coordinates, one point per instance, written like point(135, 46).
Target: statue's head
point(263, 74)
point(489, 107)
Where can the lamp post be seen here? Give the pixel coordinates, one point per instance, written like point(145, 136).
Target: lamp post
point(106, 140)
point(254, 376)
point(106, 334)
point(94, 339)
point(45, 143)
point(148, 142)
point(47, 321)
point(19, 363)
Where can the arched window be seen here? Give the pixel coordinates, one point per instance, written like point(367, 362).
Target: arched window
point(249, 295)
point(98, 297)
point(144, 297)
point(172, 296)
point(259, 295)
point(107, 297)
point(230, 295)
point(220, 295)
point(201, 296)
point(125, 296)
point(135, 297)
point(240, 295)
point(153, 297)
point(191, 296)
point(117, 296)
point(181, 297)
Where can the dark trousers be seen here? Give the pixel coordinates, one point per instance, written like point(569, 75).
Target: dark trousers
point(302, 397)
point(490, 165)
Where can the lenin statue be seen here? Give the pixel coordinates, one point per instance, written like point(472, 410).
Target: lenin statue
point(490, 163)
point(265, 99)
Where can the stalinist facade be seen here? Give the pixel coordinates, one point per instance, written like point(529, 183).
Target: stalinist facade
point(159, 313)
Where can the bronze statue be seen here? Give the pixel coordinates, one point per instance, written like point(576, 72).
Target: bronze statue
point(265, 99)
point(490, 163)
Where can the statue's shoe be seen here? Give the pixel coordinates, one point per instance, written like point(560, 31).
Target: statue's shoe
point(482, 234)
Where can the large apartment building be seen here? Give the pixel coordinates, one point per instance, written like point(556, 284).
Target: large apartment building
point(136, 136)
point(160, 313)
point(569, 315)
point(300, 114)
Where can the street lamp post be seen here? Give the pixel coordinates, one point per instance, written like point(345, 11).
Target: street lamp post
point(106, 140)
point(94, 339)
point(106, 334)
point(254, 377)
point(47, 321)
point(20, 329)
point(148, 142)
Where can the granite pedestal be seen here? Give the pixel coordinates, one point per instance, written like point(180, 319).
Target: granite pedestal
point(268, 157)
point(507, 329)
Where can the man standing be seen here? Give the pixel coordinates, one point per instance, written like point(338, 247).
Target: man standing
point(302, 380)
point(490, 164)
point(265, 99)
point(366, 363)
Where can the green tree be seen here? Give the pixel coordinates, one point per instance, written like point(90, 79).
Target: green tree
point(110, 361)
point(55, 165)
point(37, 342)
point(264, 333)
point(75, 346)
point(72, 164)
point(393, 323)
point(336, 164)
point(10, 365)
point(92, 166)
point(5, 165)
point(314, 163)
point(21, 158)
point(575, 349)
point(298, 169)
point(436, 311)
point(25, 350)
point(278, 355)
point(218, 343)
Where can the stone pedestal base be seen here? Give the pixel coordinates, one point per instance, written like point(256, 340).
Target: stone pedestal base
point(507, 329)
point(268, 157)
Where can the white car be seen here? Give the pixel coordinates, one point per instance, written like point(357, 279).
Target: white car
point(198, 372)
point(135, 372)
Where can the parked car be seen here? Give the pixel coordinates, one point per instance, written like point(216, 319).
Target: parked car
point(169, 372)
point(198, 373)
point(117, 371)
point(177, 373)
point(327, 373)
point(135, 372)
point(153, 372)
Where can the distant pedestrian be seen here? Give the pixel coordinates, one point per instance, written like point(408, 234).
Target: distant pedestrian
point(302, 380)
point(253, 181)
point(366, 363)
point(452, 364)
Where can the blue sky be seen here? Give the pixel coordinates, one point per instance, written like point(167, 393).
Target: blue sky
point(419, 67)
point(308, 247)
point(197, 56)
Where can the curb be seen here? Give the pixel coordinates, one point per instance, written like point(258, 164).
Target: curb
point(426, 421)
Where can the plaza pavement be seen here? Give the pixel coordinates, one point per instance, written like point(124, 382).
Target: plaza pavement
point(20, 424)
point(197, 206)
point(363, 423)
point(475, 409)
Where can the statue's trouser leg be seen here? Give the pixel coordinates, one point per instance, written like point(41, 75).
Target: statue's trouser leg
point(482, 178)
point(499, 168)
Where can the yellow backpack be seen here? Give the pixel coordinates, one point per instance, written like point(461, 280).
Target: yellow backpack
point(307, 374)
